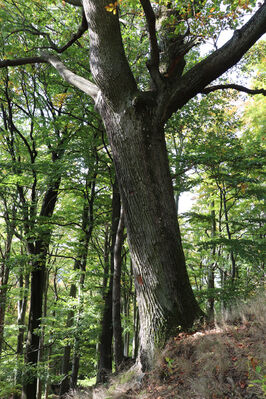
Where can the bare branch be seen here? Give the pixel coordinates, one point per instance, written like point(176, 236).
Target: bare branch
point(235, 87)
point(22, 61)
point(34, 31)
point(153, 63)
point(78, 81)
point(77, 3)
point(82, 29)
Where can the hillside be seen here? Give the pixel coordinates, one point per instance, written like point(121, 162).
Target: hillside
point(218, 362)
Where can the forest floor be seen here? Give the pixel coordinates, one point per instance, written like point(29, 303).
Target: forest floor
point(221, 361)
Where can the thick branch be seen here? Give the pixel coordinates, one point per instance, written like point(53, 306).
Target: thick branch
point(202, 74)
point(108, 62)
point(153, 63)
point(235, 87)
point(78, 81)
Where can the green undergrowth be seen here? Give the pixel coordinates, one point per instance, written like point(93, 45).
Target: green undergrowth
point(222, 361)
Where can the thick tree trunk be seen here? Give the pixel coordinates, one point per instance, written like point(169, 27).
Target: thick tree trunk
point(134, 124)
point(164, 295)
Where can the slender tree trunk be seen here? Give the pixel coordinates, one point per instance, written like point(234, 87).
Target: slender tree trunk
point(87, 220)
point(211, 282)
point(3, 297)
point(33, 337)
point(77, 343)
point(127, 296)
point(117, 327)
point(135, 345)
point(39, 251)
point(229, 236)
point(50, 349)
point(87, 228)
point(22, 307)
point(65, 383)
point(40, 357)
point(80, 264)
point(106, 335)
point(4, 277)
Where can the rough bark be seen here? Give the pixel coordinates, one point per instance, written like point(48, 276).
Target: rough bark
point(134, 124)
point(165, 297)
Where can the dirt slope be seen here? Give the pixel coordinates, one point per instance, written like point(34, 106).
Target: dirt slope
point(224, 361)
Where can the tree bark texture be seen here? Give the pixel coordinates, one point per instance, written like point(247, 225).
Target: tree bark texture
point(164, 295)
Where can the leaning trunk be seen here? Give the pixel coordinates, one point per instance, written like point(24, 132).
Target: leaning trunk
point(164, 295)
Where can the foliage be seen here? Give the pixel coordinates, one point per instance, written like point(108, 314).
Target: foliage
point(50, 132)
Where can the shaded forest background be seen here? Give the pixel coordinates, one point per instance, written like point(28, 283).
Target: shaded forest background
point(60, 207)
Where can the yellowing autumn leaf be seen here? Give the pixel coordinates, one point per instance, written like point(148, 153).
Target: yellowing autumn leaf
point(243, 187)
point(111, 7)
point(59, 99)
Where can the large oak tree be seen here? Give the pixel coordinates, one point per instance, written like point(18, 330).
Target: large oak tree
point(134, 120)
